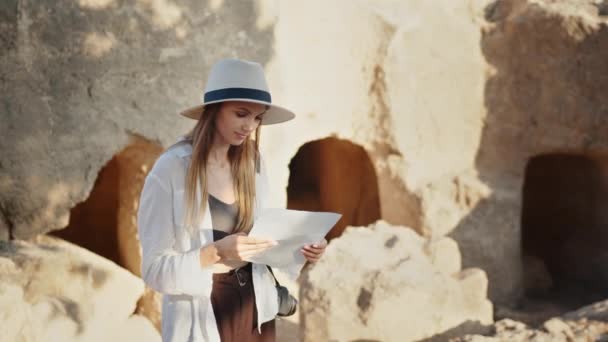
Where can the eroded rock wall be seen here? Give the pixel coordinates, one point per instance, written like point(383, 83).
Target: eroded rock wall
point(392, 77)
point(406, 81)
point(376, 88)
point(79, 77)
point(545, 94)
point(449, 99)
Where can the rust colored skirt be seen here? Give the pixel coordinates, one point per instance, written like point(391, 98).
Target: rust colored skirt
point(234, 306)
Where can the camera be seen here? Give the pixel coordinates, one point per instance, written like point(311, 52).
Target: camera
point(287, 303)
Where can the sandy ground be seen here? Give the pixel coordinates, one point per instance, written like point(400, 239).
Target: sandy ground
point(287, 330)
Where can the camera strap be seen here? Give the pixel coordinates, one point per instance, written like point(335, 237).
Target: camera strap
point(275, 278)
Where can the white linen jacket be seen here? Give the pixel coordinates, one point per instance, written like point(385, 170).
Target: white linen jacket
point(170, 255)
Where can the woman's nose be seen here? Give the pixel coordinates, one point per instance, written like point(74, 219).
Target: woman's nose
point(249, 125)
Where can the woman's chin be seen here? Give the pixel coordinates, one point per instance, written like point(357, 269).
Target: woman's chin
point(237, 142)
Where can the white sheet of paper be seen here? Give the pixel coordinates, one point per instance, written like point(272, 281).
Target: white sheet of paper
point(291, 229)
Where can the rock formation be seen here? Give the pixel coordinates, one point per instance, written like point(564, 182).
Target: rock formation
point(544, 133)
point(387, 283)
point(589, 323)
point(482, 120)
point(52, 290)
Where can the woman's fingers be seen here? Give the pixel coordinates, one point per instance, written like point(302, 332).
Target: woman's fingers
point(254, 246)
point(314, 251)
point(315, 248)
point(319, 246)
point(249, 253)
point(246, 255)
point(248, 240)
point(311, 257)
point(311, 253)
point(250, 249)
point(244, 242)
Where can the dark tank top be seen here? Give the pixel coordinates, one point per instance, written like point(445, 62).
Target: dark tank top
point(224, 217)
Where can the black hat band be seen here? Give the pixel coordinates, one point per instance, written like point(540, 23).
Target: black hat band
point(237, 93)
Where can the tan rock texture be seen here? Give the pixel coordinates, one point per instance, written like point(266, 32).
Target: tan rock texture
point(106, 222)
point(449, 99)
point(544, 95)
point(79, 78)
point(589, 323)
point(553, 330)
point(52, 290)
point(404, 80)
point(381, 284)
point(113, 72)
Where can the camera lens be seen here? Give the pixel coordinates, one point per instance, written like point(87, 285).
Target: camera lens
point(287, 303)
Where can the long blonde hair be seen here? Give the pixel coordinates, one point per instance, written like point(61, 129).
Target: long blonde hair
point(243, 160)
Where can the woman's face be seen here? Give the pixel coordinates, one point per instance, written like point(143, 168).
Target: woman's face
point(236, 120)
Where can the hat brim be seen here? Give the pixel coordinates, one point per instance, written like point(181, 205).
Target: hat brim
point(274, 115)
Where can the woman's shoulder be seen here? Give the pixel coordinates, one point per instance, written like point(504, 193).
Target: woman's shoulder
point(173, 161)
point(182, 149)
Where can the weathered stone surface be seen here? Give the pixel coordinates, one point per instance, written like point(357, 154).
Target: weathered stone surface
point(489, 237)
point(135, 328)
point(386, 77)
point(444, 255)
point(52, 290)
point(78, 78)
point(555, 329)
point(589, 323)
point(596, 311)
point(373, 281)
point(399, 89)
point(544, 94)
point(508, 330)
point(112, 70)
point(449, 98)
point(110, 211)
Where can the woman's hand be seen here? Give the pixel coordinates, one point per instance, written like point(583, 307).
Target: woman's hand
point(313, 252)
point(240, 247)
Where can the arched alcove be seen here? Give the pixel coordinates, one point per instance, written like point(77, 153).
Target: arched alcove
point(565, 229)
point(335, 175)
point(93, 223)
point(105, 223)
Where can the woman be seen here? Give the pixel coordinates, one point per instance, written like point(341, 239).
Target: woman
point(199, 202)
